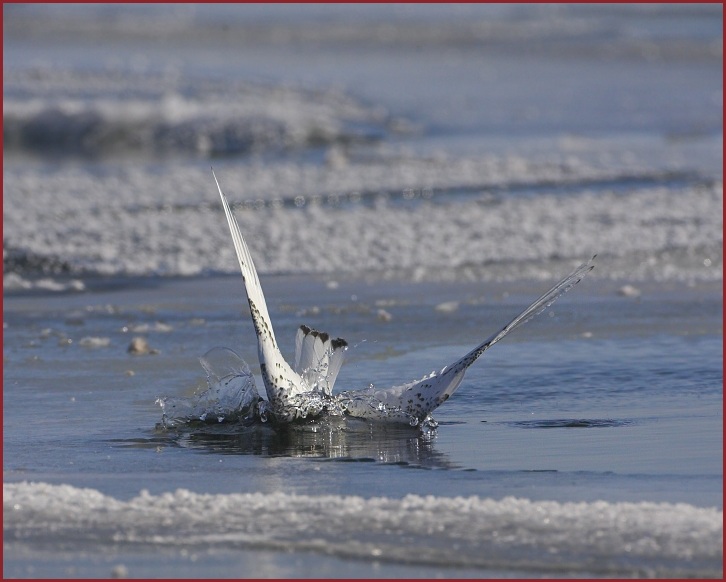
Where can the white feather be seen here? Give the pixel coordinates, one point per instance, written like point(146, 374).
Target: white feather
point(318, 358)
point(415, 400)
point(281, 382)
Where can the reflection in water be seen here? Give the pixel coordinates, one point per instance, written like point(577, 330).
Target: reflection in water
point(335, 438)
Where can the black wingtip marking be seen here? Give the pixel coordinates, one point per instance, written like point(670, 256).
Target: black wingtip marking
point(338, 343)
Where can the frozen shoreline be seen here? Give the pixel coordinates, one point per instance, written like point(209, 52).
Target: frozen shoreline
point(657, 233)
point(467, 532)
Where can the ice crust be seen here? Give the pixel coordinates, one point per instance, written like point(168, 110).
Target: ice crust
point(602, 538)
point(320, 185)
point(135, 222)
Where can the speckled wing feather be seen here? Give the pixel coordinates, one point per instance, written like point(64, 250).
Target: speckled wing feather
point(281, 382)
point(249, 274)
point(413, 401)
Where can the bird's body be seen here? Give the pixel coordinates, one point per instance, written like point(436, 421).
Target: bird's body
point(307, 389)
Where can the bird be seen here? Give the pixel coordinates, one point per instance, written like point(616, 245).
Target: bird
point(305, 389)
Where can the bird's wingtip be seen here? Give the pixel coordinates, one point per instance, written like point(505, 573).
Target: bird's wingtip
point(217, 182)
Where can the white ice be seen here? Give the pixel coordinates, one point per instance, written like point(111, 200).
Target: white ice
point(599, 538)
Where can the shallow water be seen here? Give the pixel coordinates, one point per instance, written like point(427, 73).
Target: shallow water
point(408, 180)
point(613, 400)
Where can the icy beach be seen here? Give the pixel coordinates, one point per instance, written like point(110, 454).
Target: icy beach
point(408, 178)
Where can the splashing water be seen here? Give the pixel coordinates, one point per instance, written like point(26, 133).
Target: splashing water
point(232, 397)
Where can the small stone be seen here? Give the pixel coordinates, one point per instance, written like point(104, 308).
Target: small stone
point(119, 571)
point(629, 291)
point(447, 307)
point(383, 315)
point(140, 346)
point(147, 327)
point(94, 342)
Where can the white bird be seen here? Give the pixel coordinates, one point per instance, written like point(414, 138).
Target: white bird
point(307, 389)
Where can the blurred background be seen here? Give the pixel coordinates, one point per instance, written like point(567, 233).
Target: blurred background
point(449, 141)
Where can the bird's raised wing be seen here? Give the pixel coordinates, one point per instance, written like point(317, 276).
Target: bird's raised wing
point(256, 298)
point(412, 402)
point(280, 380)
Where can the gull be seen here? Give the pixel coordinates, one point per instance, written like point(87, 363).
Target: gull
point(305, 390)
